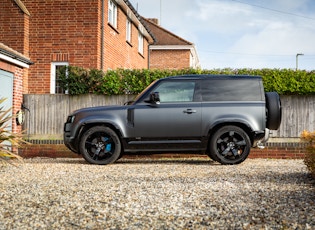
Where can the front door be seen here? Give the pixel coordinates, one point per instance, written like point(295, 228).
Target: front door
point(175, 122)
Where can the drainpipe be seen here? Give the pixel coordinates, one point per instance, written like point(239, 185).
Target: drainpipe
point(149, 56)
point(102, 36)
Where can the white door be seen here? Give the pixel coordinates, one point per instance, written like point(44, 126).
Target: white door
point(6, 90)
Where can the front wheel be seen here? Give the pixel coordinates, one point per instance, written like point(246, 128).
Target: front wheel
point(229, 145)
point(100, 145)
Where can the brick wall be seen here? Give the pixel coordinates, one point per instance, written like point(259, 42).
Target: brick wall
point(60, 30)
point(46, 150)
point(17, 95)
point(14, 27)
point(70, 31)
point(170, 59)
point(118, 52)
point(273, 151)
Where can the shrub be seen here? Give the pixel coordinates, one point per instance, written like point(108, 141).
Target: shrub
point(309, 159)
point(8, 140)
point(77, 80)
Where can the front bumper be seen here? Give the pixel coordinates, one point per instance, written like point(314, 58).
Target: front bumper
point(68, 140)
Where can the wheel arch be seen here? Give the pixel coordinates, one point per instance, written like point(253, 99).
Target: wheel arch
point(87, 126)
point(246, 127)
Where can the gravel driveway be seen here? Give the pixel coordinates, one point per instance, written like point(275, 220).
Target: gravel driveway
point(193, 193)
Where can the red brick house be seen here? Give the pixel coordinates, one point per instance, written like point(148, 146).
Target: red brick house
point(170, 51)
point(102, 34)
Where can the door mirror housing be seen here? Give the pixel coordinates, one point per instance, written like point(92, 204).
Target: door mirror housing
point(155, 98)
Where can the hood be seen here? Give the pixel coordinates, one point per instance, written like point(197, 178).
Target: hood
point(99, 108)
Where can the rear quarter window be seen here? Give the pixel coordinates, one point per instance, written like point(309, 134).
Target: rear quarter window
point(231, 90)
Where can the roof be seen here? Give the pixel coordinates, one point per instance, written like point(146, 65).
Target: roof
point(213, 77)
point(137, 19)
point(163, 36)
point(22, 7)
point(14, 55)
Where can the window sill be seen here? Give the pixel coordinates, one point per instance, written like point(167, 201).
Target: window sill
point(113, 27)
point(141, 55)
point(129, 43)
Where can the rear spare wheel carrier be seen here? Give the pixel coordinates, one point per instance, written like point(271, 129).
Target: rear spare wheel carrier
point(274, 110)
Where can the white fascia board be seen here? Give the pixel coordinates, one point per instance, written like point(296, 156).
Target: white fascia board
point(171, 47)
point(14, 61)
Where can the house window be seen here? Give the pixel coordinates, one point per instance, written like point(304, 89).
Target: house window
point(54, 77)
point(140, 43)
point(112, 13)
point(128, 30)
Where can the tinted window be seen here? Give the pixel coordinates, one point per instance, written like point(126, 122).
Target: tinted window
point(176, 91)
point(231, 90)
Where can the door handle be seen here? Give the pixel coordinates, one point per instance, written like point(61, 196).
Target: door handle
point(190, 111)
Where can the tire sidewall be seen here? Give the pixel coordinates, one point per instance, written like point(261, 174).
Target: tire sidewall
point(109, 132)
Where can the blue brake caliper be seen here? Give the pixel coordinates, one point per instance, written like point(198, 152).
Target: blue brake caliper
point(108, 147)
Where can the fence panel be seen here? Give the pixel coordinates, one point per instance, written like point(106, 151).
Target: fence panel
point(298, 114)
point(49, 112)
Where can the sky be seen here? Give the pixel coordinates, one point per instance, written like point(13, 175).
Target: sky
point(241, 33)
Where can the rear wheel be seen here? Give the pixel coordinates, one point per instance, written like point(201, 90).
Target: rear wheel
point(229, 145)
point(100, 145)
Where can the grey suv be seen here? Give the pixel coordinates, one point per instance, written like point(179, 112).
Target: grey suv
point(222, 116)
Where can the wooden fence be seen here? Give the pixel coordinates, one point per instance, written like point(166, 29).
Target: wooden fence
point(47, 113)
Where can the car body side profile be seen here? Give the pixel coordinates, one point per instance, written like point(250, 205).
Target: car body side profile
point(219, 115)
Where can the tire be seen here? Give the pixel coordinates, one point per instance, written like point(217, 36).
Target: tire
point(274, 110)
point(100, 145)
point(229, 145)
point(212, 156)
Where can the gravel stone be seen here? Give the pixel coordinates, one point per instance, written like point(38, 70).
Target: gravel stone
point(192, 193)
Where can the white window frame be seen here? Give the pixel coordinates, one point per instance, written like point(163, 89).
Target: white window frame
point(112, 13)
point(128, 30)
point(53, 75)
point(140, 42)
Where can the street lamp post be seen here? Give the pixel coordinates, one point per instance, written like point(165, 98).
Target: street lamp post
point(296, 59)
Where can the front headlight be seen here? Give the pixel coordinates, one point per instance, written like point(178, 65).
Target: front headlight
point(70, 119)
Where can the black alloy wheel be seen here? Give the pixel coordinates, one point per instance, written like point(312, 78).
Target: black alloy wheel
point(229, 145)
point(100, 145)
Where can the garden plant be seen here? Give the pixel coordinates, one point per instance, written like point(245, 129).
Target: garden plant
point(9, 141)
point(309, 159)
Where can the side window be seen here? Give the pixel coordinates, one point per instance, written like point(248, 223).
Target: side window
point(128, 30)
point(54, 78)
point(176, 91)
point(231, 90)
point(112, 13)
point(140, 42)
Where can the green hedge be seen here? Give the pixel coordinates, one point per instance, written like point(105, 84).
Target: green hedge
point(77, 80)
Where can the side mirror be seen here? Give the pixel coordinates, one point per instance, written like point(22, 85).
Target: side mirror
point(155, 98)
